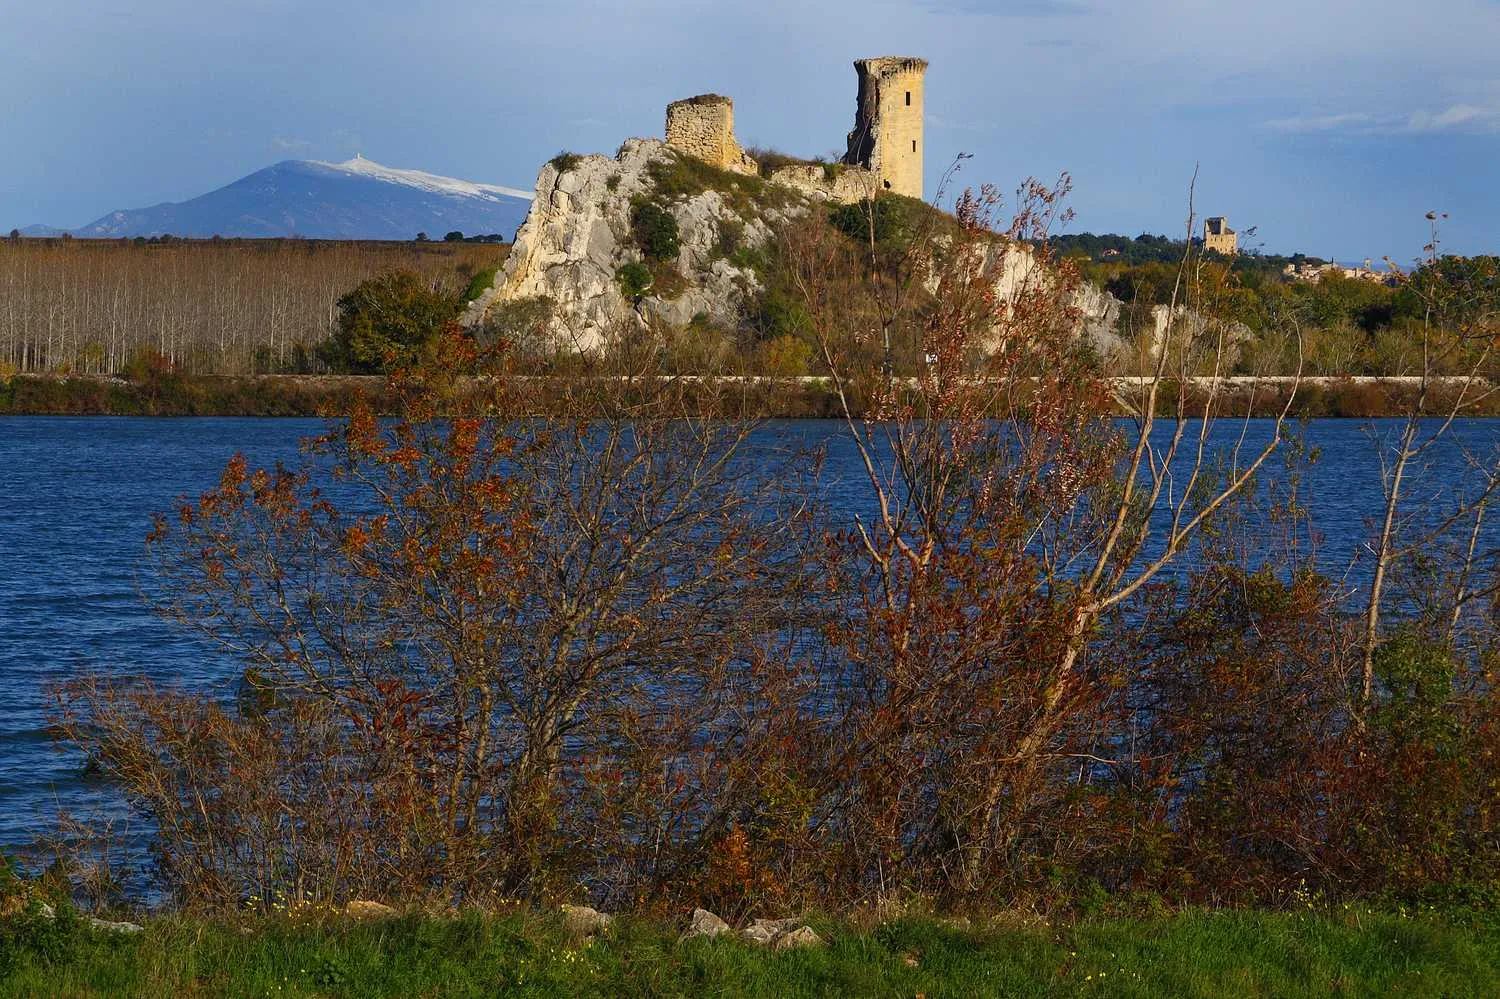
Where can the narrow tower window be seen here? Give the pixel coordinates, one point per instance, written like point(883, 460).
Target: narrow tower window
point(908, 98)
point(913, 145)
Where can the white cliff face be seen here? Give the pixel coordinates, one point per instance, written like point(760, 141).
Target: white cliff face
point(1014, 269)
point(1100, 312)
point(577, 237)
point(719, 290)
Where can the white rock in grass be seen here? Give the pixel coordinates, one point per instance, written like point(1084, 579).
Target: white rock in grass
point(361, 909)
point(705, 924)
point(798, 939)
point(583, 921)
point(112, 927)
point(766, 931)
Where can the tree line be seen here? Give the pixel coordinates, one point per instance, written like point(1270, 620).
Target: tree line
point(205, 306)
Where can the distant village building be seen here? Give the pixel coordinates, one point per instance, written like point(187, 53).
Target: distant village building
point(1219, 238)
point(884, 149)
point(1313, 273)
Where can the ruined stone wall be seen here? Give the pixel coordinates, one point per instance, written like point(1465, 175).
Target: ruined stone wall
point(845, 184)
point(888, 131)
point(703, 127)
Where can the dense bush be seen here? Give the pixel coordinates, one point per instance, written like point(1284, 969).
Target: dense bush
point(34, 929)
point(655, 230)
point(635, 279)
point(895, 219)
point(385, 322)
point(480, 283)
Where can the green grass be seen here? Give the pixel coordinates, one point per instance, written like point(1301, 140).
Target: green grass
point(1192, 954)
point(681, 176)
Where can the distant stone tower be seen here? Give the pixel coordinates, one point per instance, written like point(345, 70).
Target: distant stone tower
point(887, 137)
point(1219, 238)
point(703, 126)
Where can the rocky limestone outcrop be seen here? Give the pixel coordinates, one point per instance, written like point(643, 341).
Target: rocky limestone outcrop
point(578, 236)
point(1013, 266)
point(1100, 312)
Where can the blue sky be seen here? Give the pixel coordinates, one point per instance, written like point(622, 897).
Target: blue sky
point(1331, 126)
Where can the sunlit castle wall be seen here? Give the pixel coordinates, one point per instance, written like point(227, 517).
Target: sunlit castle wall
point(703, 127)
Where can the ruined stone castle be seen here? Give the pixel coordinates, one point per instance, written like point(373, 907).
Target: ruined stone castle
point(703, 126)
point(884, 148)
point(1219, 238)
point(569, 255)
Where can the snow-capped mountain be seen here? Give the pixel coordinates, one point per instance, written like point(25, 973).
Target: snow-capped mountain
point(431, 182)
point(356, 199)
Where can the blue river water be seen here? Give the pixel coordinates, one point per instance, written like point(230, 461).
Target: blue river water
point(77, 496)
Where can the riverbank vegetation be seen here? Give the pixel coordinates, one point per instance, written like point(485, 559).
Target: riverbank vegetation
point(1192, 954)
point(520, 642)
point(249, 307)
point(1352, 321)
point(169, 393)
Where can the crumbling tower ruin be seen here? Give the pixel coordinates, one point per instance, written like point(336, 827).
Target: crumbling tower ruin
point(703, 127)
point(1219, 238)
point(887, 136)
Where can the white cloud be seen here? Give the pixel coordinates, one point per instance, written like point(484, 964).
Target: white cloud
point(1323, 123)
point(1466, 118)
point(1459, 117)
point(285, 145)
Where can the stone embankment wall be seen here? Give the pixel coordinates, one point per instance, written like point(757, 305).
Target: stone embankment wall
point(703, 127)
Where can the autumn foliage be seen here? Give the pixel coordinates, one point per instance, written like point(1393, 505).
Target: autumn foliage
point(627, 648)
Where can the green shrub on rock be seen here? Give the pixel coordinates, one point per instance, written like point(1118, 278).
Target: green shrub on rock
point(635, 279)
point(655, 230)
point(894, 218)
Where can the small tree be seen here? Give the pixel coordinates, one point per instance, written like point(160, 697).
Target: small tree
point(386, 321)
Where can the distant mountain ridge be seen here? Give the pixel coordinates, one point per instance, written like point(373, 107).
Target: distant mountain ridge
point(310, 199)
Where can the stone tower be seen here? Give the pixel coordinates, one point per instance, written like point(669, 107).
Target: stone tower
point(1219, 238)
point(887, 136)
point(703, 126)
